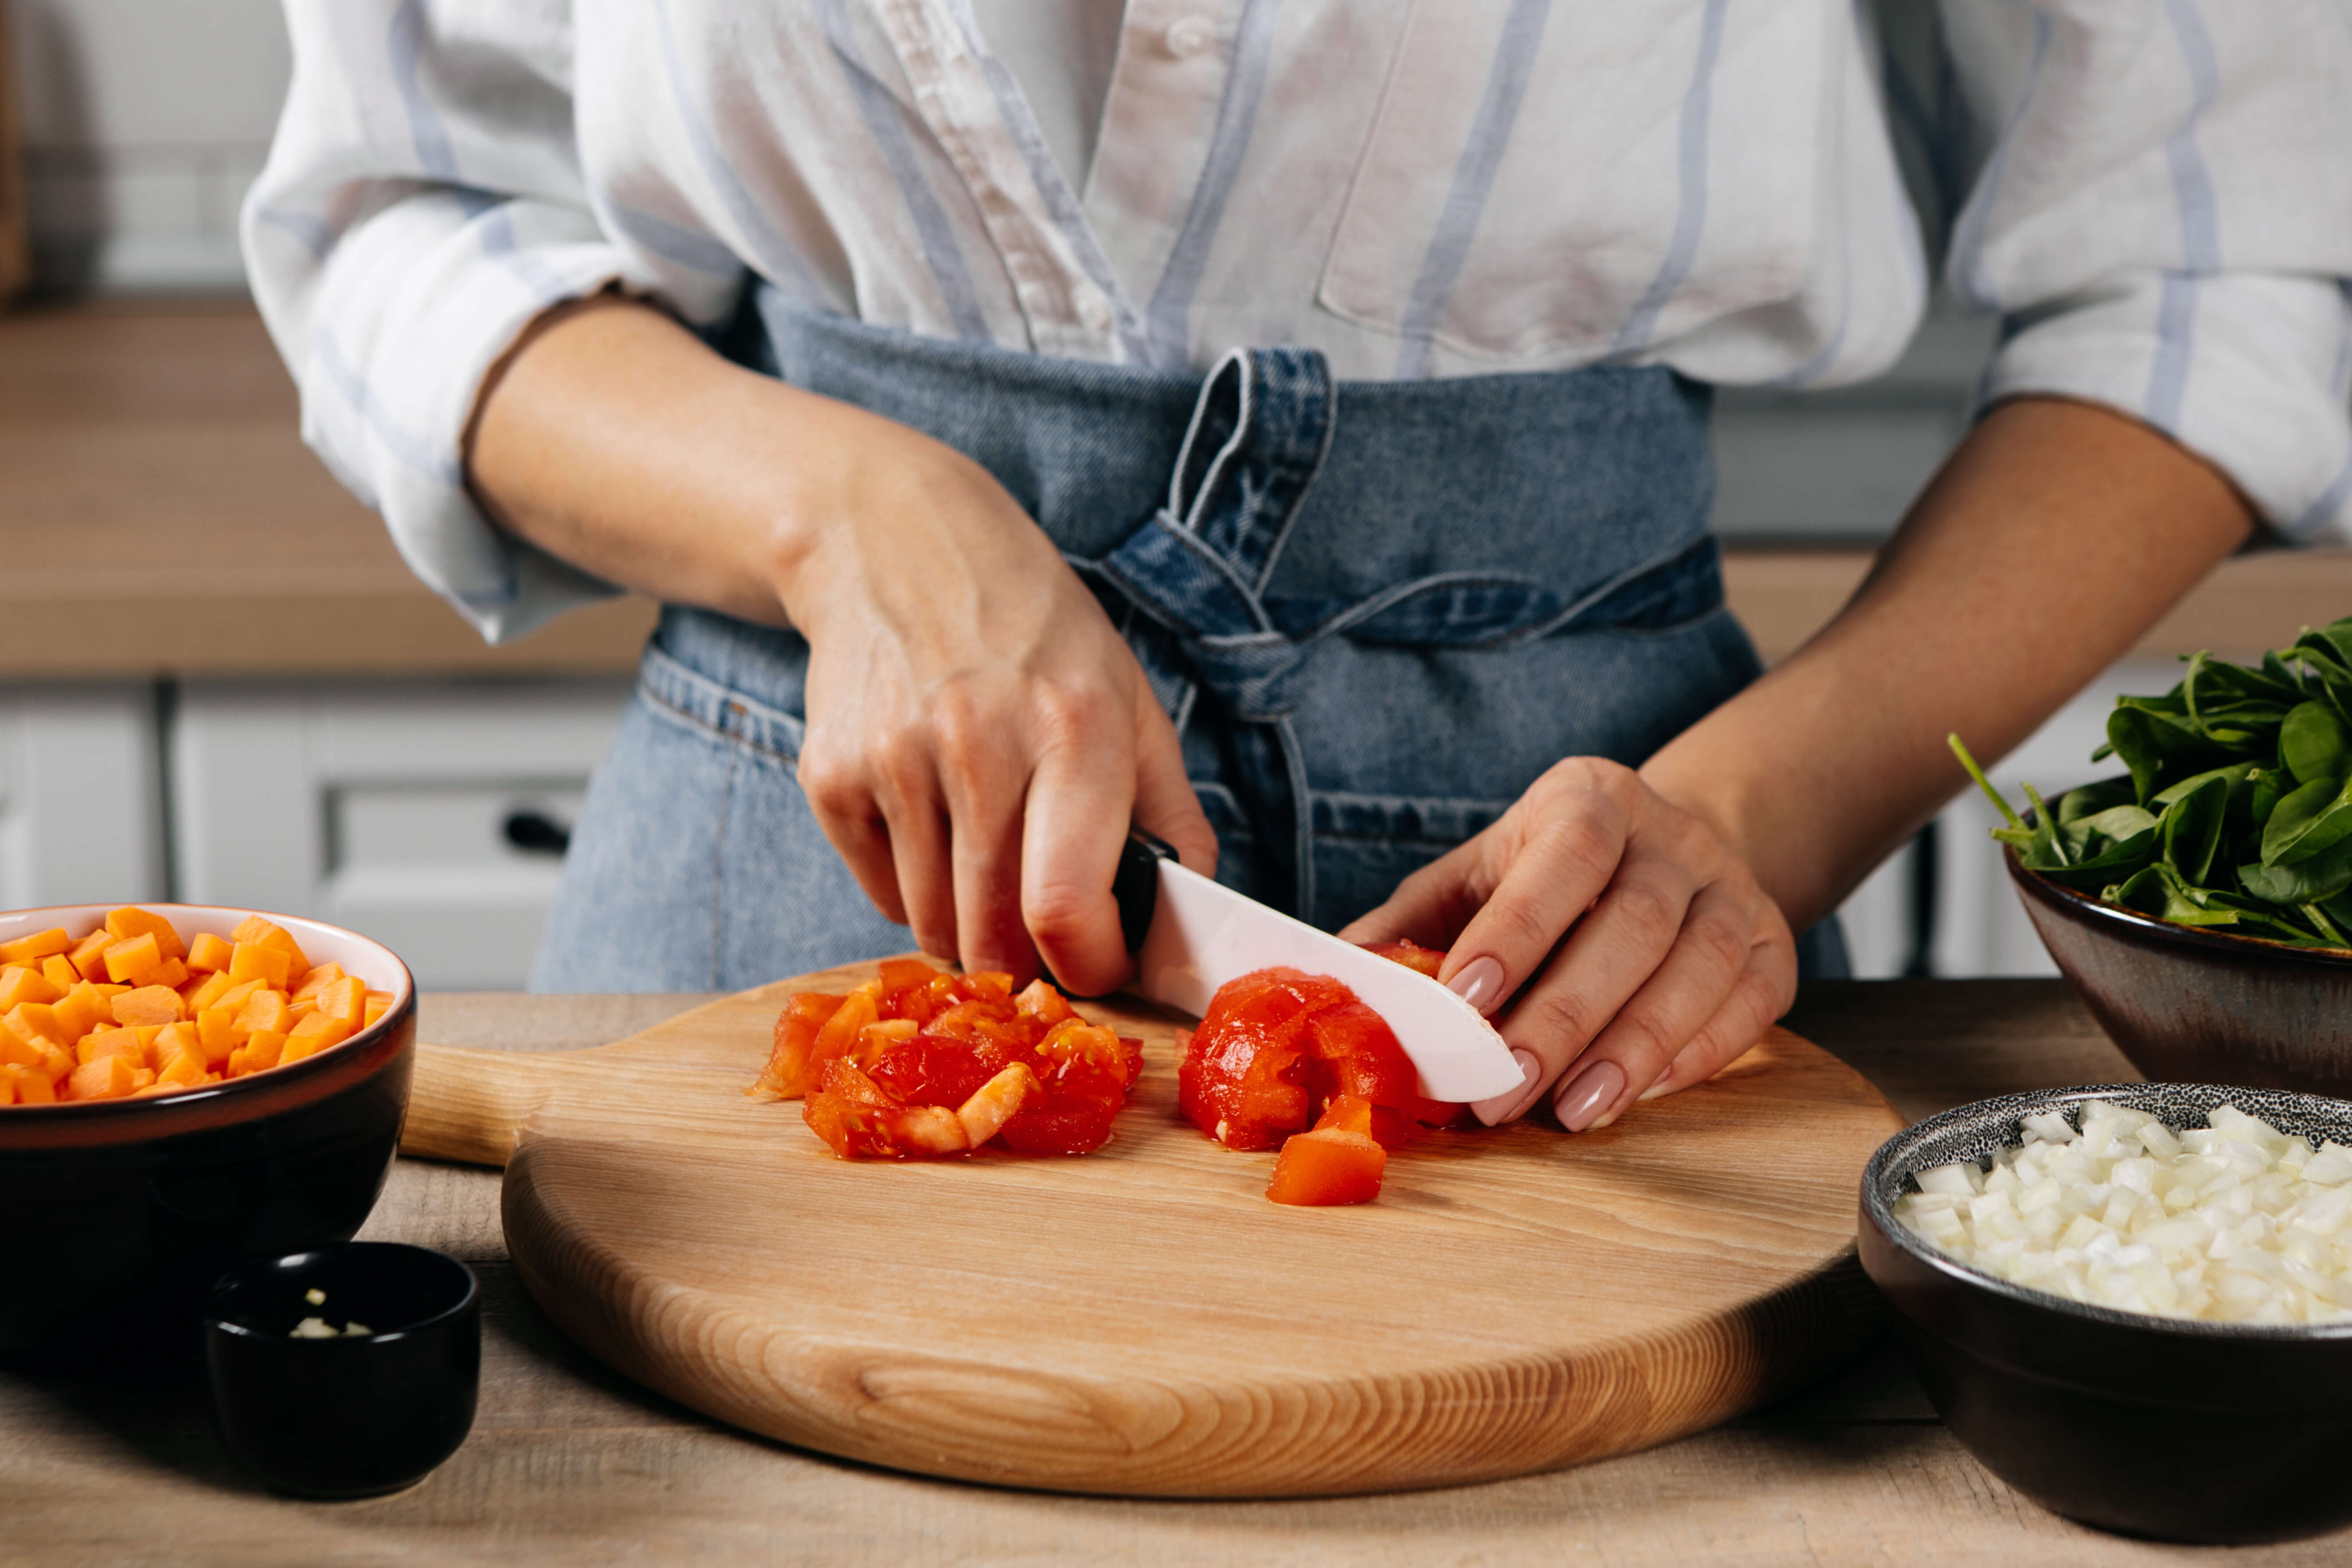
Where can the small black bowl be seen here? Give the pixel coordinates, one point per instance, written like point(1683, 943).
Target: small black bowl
point(2194, 1004)
point(2178, 1430)
point(359, 1415)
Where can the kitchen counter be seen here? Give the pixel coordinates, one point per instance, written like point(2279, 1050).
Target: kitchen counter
point(159, 516)
point(569, 1463)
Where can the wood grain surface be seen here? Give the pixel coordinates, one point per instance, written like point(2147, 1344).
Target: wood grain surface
point(1141, 1320)
point(569, 1464)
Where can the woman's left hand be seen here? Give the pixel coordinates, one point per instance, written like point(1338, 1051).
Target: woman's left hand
point(1634, 947)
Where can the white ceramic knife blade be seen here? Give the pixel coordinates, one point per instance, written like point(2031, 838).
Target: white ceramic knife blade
point(1203, 934)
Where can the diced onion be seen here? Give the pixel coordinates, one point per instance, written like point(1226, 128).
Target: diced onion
point(2231, 1222)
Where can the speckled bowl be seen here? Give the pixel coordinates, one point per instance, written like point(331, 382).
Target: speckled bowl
point(2189, 1004)
point(2157, 1427)
point(123, 1212)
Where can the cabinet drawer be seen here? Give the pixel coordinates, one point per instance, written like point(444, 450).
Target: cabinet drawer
point(81, 807)
point(428, 816)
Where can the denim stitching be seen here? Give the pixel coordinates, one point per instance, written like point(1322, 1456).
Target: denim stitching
point(661, 702)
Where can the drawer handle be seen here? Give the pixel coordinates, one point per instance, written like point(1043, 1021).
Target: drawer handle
point(536, 833)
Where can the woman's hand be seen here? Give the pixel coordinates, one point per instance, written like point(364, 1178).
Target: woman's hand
point(1632, 944)
point(979, 736)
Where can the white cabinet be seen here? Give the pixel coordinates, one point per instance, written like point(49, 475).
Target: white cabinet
point(81, 814)
point(427, 815)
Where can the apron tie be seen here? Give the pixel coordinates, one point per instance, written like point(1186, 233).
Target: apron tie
point(1196, 571)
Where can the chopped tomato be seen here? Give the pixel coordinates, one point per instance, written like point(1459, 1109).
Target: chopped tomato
point(1389, 1128)
point(1327, 1166)
point(1410, 954)
point(917, 1063)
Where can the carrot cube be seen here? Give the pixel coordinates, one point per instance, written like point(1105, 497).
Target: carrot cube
point(133, 960)
point(252, 961)
point(34, 949)
point(318, 980)
point(208, 953)
point(185, 1070)
point(88, 955)
point(148, 1004)
point(253, 928)
point(171, 972)
point(378, 1004)
point(58, 970)
point(79, 1011)
point(130, 922)
point(217, 1034)
point(30, 1086)
point(314, 1034)
point(264, 1009)
point(208, 992)
point(345, 999)
point(122, 1041)
point(170, 1040)
point(32, 1021)
point(21, 983)
point(109, 1077)
point(265, 1049)
point(15, 1050)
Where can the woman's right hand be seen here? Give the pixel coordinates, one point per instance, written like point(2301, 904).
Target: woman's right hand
point(979, 736)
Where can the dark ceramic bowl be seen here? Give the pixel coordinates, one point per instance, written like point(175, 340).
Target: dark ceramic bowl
point(2194, 1005)
point(2159, 1426)
point(355, 1416)
point(123, 1211)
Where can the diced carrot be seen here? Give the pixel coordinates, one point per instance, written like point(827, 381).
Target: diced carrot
point(22, 983)
point(378, 1003)
point(34, 949)
point(208, 992)
point(253, 928)
point(34, 1023)
point(170, 1040)
point(217, 1034)
point(148, 1004)
point(317, 980)
point(209, 953)
point(123, 1041)
point(314, 1034)
point(88, 955)
point(185, 1070)
point(58, 970)
point(265, 1049)
point(79, 1010)
point(264, 1009)
point(235, 996)
point(133, 960)
point(252, 961)
point(1330, 1166)
point(31, 1086)
point(130, 923)
point(171, 972)
point(345, 999)
point(109, 1077)
point(15, 1050)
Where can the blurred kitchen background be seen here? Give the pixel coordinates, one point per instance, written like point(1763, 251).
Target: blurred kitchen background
point(217, 684)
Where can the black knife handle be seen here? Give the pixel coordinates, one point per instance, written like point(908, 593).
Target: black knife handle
point(1136, 884)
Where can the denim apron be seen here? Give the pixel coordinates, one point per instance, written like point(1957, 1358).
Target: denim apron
point(1375, 611)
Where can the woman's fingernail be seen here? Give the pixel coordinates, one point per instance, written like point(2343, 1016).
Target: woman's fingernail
point(1593, 1091)
point(1480, 983)
point(1502, 1107)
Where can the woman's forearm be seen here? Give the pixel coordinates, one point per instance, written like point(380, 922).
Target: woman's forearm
point(2054, 537)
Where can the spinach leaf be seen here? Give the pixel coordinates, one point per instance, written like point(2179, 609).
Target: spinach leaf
point(2306, 822)
point(2193, 828)
point(2314, 743)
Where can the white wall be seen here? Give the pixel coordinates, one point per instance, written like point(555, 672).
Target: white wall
point(144, 122)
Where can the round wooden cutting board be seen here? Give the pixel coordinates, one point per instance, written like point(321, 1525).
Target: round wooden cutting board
point(1141, 1320)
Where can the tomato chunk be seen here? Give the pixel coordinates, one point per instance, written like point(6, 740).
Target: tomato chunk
point(1410, 954)
point(1327, 1166)
point(920, 1064)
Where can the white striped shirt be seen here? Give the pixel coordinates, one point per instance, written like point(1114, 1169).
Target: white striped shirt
point(2155, 194)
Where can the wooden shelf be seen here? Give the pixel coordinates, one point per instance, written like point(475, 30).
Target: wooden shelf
point(159, 516)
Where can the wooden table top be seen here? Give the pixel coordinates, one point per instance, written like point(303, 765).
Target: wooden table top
point(569, 1464)
point(153, 481)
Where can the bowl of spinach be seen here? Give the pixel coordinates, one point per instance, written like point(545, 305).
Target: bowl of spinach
point(2200, 904)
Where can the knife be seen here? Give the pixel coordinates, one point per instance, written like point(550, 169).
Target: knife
point(1191, 935)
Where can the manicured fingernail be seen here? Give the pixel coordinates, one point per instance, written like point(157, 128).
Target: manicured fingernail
point(1480, 983)
point(1593, 1091)
point(1503, 1106)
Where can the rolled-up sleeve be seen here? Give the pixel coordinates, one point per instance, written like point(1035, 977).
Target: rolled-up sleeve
point(423, 203)
point(2160, 209)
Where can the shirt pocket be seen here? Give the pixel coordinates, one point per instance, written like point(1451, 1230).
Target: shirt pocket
point(1561, 181)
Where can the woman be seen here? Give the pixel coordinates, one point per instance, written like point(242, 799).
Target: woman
point(888, 345)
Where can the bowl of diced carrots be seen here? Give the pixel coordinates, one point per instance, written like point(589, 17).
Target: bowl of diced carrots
point(184, 1087)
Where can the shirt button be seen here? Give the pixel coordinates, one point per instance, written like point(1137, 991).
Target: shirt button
point(1188, 36)
point(1094, 310)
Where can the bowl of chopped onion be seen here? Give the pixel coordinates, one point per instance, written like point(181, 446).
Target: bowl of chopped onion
point(2133, 1303)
